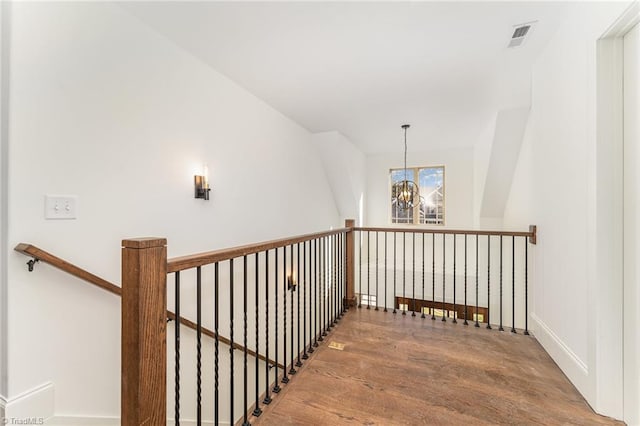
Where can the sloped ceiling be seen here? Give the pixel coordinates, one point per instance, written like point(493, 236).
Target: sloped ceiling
point(364, 68)
point(505, 149)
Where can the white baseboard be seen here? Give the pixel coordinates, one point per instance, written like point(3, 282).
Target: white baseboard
point(107, 421)
point(36, 403)
point(83, 421)
point(37, 407)
point(571, 365)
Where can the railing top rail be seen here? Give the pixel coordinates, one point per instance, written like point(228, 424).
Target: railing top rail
point(529, 234)
point(181, 263)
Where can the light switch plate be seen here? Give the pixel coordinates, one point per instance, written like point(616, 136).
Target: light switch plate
point(61, 207)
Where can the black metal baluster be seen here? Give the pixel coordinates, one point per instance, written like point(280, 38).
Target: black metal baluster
point(332, 280)
point(216, 345)
point(477, 324)
point(316, 302)
point(526, 286)
point(513, 284)
point(276, 387)
point(455, 310)
point(297, 290)
point(304, 299)
point(323, 331)
point(404, 273)
point(488, 281)
point(368, 271)
point(328, 280)
point(176, 333)
point(256, 410)
point(466, 307)
point(334, 276)
point(360, 269)
point(245, 376)
point(321, 287)
point(334, 244)
point(267, 398)
point(377, 236)
point(231, 372)
point(336, 288)
point(385, 271)
point(444, 275)
point(285, 379)
point(292, 371)
point(501, 328)
point(423, 298)
point(433, 276)
point(316, 298)
point(199, 344)
point(340, 301)
point(413, 260)
point(343, 274)
point(338, 276)
point(395, 273)
point(329, 269)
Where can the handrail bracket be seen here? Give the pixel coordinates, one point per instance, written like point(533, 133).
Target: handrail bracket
point(31, 263)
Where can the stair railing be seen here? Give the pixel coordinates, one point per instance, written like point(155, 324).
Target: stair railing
point(285, 296)
point(472, 276)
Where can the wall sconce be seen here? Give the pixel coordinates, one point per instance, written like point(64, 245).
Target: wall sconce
point(291, 284)
point(202, 184)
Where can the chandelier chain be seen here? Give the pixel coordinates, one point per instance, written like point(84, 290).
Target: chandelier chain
point(405, 153)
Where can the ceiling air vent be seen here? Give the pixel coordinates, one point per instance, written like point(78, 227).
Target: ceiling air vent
point(520, 33)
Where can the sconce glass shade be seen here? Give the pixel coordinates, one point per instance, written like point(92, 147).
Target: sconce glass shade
point(201, 187)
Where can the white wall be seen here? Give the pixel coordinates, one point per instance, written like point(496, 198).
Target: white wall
point(4, 143)
point(458, 182)
point(345, 166)
point(575, 314)
point(108, 110)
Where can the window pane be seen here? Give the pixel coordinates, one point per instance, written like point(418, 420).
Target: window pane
point(431, 183)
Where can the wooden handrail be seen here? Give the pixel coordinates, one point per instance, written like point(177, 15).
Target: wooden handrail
point(63, 265)
point(200, 259)
point(46, 257)
point(531, 234)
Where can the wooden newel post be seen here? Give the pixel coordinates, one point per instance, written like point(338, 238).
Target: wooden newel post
point(144, 322)
point(350, 298)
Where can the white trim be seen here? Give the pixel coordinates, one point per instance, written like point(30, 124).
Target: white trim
point(86, 421)
point(5, 33)
point(606, 301)
point(627, 20)
point(111, 421)
point(36, 402)
point(573, 367)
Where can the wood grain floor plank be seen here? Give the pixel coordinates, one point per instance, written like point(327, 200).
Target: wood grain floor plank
point(403, 370)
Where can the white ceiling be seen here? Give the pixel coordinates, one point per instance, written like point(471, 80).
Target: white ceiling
point(364, 69)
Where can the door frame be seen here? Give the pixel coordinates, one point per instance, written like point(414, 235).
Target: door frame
point(606, 350)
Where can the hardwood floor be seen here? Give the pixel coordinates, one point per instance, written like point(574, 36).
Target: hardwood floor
point(397, 369)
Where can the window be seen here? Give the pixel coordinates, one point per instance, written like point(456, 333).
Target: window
point(430, 211)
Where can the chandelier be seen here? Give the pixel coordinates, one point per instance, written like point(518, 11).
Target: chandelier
point(406, 194)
